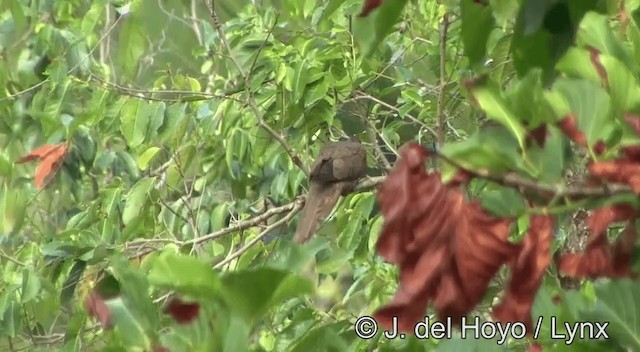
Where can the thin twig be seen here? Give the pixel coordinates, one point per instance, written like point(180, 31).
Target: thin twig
point(440, 115)
point(376, 147)
point(145, 94)
point(363, 95)
point(554, 191)
point(296, 207)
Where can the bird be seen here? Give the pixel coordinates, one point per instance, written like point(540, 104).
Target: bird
point(337, 168)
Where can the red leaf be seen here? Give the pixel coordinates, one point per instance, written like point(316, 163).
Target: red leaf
point(182, 312)
point(96, 307)
point(447, 249)
point(40, 152)
point(631, 153)
point(50, 156)
point(633, 121)
point(527, 271)
point(600, 147)
point(601, 259)
point(535, 347)
point(622, 171)
point(600, 219)
point(369, 5)
point(569, 127)
point(595, 60)
point(539, 135)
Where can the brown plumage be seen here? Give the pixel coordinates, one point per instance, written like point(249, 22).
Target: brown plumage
point(338, 166)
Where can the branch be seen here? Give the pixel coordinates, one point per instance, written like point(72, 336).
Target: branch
point(144, 246)
point(296, 206)
point(141, 247)
point(554, 191)
point(146, 94)
point(376, 147)
point(250, 100)
point(440, 115)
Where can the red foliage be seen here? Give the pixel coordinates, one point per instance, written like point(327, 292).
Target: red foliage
point(539, 135)
point(623, 171)
point(569, 127)
point(50, 156)
point(633, 121)
point(96, 307)
point(369, 5)
point(594, 55)
point(535, 347)
point(631, 153)
point(534, 255)
point(601, 258)
point(600, 147)
point(182, 312)
point(447, 249)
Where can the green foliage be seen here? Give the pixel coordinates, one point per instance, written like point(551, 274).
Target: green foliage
point(181, 133)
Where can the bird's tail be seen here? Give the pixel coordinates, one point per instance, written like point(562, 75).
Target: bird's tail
point(320, 201)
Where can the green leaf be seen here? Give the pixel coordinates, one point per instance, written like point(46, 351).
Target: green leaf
point(91, 18)
point(237, 335)
point(145, 158)
point(577, 63)
point(528, 102)
point(493, 149)
point(184, 274)
point(322, 338)
point(503, 202)
point(590, 104)
point(70, 284)
point(477, 24)
point(633, 32)
point(135, 121)
point(331, 7)
point(137, 199)
point(127, 324)
point(530, 46)
point(550, 159)
point(156, 119)
point(30, 285)
point(252, 292)
point(596, 32)
point(13, 206)
point(134, 287)
point(623, 85)
point(174, 117)
point(132, 44)
point(17, 14)
point(371, 30)
point(491, 101)
point(300, 80)
point(505, 10)
point(457, 343)
point(619, 304)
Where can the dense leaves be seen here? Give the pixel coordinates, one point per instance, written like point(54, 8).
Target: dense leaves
point(169, 145)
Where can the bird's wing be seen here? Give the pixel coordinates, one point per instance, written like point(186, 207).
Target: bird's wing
point(350, 162)
point(339, 161)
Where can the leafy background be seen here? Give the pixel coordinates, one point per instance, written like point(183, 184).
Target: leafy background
point(190, 127)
